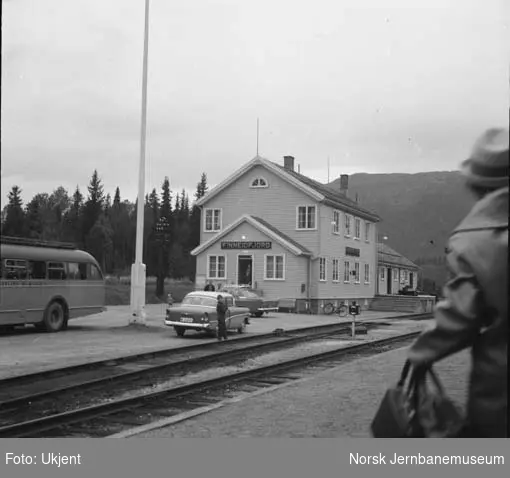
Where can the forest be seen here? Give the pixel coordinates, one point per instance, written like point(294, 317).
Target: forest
point(106, 228)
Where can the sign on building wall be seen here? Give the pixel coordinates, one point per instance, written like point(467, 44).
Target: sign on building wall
point(246, 245)
point(352, 251)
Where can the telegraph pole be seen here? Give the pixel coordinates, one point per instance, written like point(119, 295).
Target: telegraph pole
point(138, 268)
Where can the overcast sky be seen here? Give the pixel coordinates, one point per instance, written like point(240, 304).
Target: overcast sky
point(376, 85)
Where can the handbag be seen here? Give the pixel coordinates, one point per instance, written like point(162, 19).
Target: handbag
point(438, 415)
point(396, 416)
point(416, 411)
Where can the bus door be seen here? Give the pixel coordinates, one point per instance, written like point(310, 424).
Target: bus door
point(14, 287)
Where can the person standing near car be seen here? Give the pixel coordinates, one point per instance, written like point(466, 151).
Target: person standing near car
point(209, 287)
point(221, 311)
point(474, 310)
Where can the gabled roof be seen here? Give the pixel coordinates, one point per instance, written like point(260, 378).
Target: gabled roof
point(264, 227)
point(332, 197)
point(387, 255)
point(258, 161)
point(320, 192)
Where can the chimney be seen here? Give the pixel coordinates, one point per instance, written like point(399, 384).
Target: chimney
point(288, 162)
point(344, 183)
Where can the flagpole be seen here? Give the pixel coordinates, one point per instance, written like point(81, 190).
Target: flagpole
point(138, 268)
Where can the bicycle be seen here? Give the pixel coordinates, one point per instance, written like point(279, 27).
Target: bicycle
point(341, 310)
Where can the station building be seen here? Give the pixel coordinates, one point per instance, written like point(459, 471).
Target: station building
point(288, 236)
point(395, 271)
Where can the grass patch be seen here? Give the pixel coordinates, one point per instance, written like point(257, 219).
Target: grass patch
point(118, 290)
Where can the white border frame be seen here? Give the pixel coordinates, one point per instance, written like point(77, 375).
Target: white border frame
point(325, 269)
point(297, 217)
point(252, 266)
point(337, 270)
point(212, 231)
point(348, 272)
point(208, 272)
point(259, 178)
point(357, 220)
point(367, 282)
point(284, 267)
point(358, 280)
point(347, 234)
point(337, 233)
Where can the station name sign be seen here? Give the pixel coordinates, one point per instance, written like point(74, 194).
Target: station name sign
point(246, 245)
point(351, 251)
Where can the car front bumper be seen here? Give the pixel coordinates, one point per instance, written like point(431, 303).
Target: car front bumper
point(188, 325)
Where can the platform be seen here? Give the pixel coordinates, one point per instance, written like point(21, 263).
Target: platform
point(108, 336)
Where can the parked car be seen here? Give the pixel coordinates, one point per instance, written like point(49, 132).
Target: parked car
point(247, 297)
point(197, 311)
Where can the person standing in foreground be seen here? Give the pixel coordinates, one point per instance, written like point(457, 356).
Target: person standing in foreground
point(221, 309)
point(474, 311)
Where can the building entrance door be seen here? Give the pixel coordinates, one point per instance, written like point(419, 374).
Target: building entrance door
point(388, 291)
point(245, 270)
point(411, 280)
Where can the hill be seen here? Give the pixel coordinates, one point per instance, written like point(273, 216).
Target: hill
point(418, 212)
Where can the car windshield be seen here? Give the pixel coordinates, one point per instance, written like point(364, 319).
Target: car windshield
point(197, 300)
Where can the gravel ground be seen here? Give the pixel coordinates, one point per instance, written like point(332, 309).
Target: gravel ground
point(107, 336)
point(278, 356)
point(339, 402)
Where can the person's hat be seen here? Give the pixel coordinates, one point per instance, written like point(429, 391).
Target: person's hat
point(487, 166)
point(219, 297)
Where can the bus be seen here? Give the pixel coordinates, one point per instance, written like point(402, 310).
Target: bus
point(47, 283)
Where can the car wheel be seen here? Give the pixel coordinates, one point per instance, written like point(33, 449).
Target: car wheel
point(180, 331)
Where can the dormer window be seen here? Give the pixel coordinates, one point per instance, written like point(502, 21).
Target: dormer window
point(259, 183)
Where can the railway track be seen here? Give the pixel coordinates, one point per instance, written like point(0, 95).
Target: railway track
point(20, 391)
point(120, 414)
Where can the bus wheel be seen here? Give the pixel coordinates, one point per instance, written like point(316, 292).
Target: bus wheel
point(54, 318)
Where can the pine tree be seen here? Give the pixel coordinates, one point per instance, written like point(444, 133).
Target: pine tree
point(14, 223)
point(73, 219)
point(94, 204)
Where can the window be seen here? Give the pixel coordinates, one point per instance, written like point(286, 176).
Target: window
point(56, 271)
point(216, 267)
point(381, 272)
point(357, 228)
point(212, 220)
point(336, 272)
point(367, 273)
point(367, 231)
point(15, 269)
point(336, 222)
point(356, 274)
point(347, 271)
point(36, 270)
point(322, 269)
point(93, 273)
point(74, 272)
point(259, 183)
point(347, 225)
point(395, 275)
point(274, 267)
point(306, 217)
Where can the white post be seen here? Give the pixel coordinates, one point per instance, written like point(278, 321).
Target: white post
point(353, 326)
point(138, 268)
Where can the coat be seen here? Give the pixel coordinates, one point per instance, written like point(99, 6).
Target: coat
point(474, 313)
point(221, 310)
